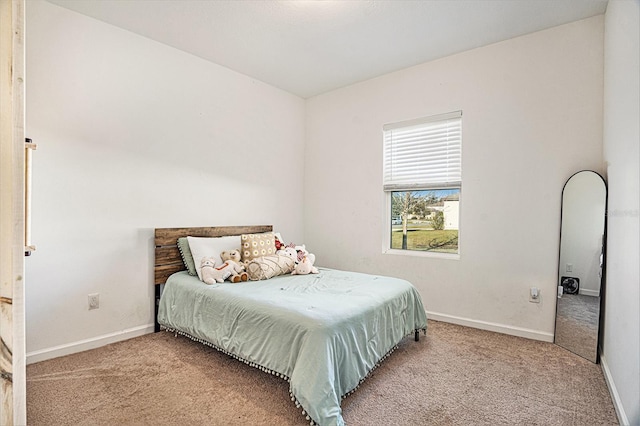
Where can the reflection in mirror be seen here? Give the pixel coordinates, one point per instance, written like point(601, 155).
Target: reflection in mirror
point(581, 262)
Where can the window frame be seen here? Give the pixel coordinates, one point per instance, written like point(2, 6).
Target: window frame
point(387, 193)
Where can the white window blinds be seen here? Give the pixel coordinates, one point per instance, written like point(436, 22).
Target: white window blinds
point(424, 153)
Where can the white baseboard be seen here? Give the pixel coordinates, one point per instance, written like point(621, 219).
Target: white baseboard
point(490, 326)
point(83, 345)
point(96, 342)
point(587, 292)
point(615, 397)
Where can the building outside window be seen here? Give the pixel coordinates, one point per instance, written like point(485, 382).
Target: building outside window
point(423, 183)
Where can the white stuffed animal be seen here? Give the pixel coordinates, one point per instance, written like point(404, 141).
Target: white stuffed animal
point(303, 252)
point(297, 254)
point(305, 267)
point(290, 252)
point(212, 274)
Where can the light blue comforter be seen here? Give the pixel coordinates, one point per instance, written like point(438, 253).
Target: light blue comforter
point(324, 332)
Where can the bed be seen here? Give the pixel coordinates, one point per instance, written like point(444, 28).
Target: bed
point(323, 333)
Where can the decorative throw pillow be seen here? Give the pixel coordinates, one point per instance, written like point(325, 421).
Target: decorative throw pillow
point(210, 247)
point(187, 257)
point(257, 245)
point(263, 268)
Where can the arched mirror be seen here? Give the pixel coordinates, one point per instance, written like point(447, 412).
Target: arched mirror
point(581, 264)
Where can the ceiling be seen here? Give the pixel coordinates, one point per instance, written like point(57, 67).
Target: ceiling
point(311, 47)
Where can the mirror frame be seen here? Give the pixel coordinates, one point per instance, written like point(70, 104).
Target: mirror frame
point(603, 278)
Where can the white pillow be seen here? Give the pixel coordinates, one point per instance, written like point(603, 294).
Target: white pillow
point(211, 247)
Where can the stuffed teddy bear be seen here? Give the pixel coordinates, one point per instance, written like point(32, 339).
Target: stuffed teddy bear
point(235, 256)
point(232, 255)
point(305, 267)
point(212, 274)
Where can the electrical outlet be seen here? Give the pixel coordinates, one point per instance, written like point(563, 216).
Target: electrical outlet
point(534, 295)
point(94, 301)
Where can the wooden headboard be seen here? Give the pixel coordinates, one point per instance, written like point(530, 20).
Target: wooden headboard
point(167, 256)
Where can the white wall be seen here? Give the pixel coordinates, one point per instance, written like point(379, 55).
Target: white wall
point(134, 135)
point(621, 346)
point(532, 116)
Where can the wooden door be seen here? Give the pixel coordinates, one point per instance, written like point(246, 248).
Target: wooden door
point(12, 214)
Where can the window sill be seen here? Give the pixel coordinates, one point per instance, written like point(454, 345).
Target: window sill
point(416, 253)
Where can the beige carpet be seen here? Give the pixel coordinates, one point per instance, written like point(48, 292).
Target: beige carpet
point(453, 376)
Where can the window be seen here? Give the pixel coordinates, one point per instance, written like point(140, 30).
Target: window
point(422, 183)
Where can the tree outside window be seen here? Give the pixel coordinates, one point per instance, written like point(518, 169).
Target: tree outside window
point(425, 220)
